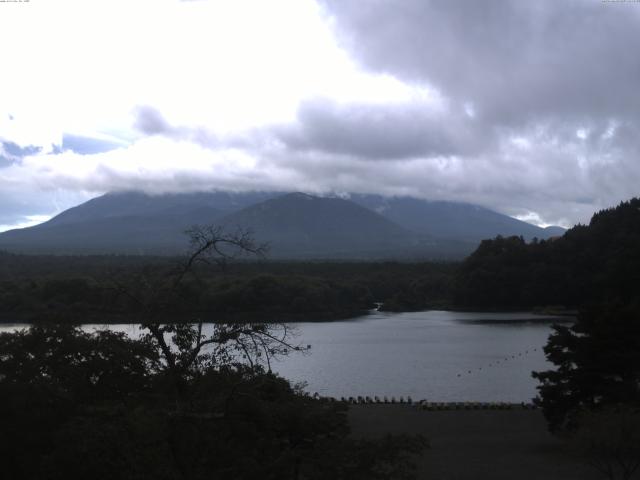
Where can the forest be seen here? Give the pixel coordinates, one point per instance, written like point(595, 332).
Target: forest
point(90, 289)
point(591, 263)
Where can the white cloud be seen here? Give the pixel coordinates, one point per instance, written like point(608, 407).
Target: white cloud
point(227, 65)
point(29, 221)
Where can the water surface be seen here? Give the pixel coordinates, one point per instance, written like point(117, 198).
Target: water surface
point(433, 355)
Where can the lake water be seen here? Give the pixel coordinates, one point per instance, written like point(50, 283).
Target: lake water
point(434, 355)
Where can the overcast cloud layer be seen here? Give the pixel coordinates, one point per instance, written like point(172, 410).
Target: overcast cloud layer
point(529, 108)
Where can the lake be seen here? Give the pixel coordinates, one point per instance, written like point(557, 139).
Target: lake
point(435, 355)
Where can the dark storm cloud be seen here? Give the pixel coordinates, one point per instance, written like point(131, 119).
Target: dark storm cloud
point(550, 89)
point(514, 60)
point(11, 152)
point(149, 121)
point(380, 131)
point(12, 149)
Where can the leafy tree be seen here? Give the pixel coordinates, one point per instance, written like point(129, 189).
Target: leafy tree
point(184, 349)
point(50, 374)
point(597, 364)
point(80, 405)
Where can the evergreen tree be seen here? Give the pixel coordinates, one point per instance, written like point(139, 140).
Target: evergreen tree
point(597, 365)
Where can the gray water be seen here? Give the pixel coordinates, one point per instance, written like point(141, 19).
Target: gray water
point(433, 355)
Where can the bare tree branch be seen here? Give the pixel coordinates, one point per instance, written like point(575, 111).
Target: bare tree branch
point(184, 346)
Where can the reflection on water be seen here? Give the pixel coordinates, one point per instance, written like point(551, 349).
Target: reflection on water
point(437, 355)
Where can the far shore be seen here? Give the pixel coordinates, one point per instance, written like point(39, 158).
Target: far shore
point(131, 319)
point(556, 311)
point(101, 318)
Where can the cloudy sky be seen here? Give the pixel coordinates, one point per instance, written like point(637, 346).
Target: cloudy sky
point(529, 108)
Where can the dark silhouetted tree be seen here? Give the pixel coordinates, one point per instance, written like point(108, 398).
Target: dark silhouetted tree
point(597, 364)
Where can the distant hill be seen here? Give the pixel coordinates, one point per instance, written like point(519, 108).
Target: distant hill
point(157, 234)
point(461, 221)
point(296, 225)
point(128, 223)
point(301, 225)
point(137, 204)
point(554, 231)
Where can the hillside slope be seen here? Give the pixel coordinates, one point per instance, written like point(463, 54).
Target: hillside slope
point(297, 225)
point(459, 221)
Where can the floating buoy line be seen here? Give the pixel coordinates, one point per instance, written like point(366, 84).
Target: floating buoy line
point(426, 405)
point(501, 361)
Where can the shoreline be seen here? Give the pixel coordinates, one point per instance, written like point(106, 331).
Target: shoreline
point(310, 317)
point(535, 310)
point(246, 317)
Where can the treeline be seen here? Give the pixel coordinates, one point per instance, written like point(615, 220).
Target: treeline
point(261, 297)
point(590, 264)
point(104, 289)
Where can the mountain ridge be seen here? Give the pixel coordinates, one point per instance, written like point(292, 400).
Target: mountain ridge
point(450, 219)
point(298, 225)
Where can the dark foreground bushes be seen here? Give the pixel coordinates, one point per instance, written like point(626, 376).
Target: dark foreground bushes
point(102, 406)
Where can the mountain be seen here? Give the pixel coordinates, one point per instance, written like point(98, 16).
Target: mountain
point(296, 225)
point(128, 234)
point(301, 225)
point(461, 221)
point(137, 204)
point(554, 231)
point(128, 223)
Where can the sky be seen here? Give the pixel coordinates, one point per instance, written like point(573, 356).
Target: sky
point(529, 108)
